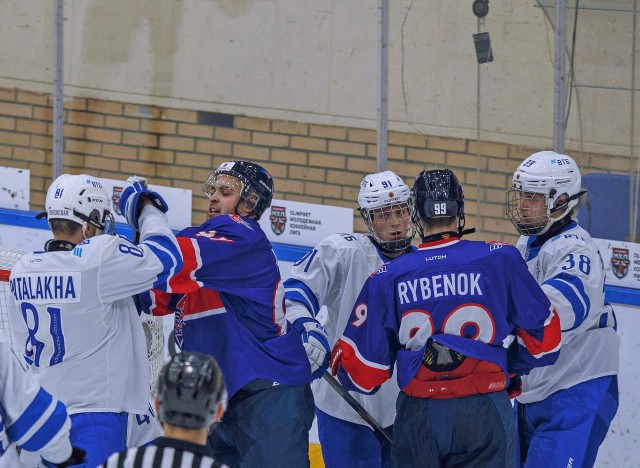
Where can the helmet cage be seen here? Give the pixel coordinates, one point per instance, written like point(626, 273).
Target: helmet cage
point(395, 216)
point(257, 184)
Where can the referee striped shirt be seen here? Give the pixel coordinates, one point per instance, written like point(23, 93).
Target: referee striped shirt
point(165, 453)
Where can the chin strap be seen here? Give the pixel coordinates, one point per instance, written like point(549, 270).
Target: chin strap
point(53, 245)
point(464, 232)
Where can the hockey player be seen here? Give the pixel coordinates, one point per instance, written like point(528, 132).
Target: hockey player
point(565, 410)
point(332, 274)
point(191, 398)
point(446, 315)
point(32, 418)
point(234, 311)
point(83, 338)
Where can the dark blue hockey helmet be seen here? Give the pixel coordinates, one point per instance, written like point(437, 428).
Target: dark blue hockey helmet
point(257, 183)
point(436, 194)
point(191, 390)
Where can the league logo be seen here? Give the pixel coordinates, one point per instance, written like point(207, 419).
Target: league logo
point(278, 219)
point(115, 198)
point(620, 262)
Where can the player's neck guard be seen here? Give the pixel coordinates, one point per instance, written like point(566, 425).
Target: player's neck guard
point(53, 245)
point(440, 236)
point(553, 231)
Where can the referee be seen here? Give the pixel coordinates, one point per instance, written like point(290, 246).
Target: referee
point(191, 398)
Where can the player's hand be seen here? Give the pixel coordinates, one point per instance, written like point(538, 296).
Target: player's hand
point(135, 196)
point(336, 359)
point(316, 345)
point(515, 386)
point(76, 460)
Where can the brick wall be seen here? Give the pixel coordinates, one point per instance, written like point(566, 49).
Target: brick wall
point(310, 163)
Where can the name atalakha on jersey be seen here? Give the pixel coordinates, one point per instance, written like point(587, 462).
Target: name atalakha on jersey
point(45, 287)
point(440, 285)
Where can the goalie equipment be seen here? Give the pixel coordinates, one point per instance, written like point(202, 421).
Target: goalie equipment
point(191, 392)
point(257, 184)
point(79, 198)
point(384, 206)
point(551, 175)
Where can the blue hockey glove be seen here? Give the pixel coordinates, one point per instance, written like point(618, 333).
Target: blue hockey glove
point(135, 190)
point(316, 345)
point(76, 460)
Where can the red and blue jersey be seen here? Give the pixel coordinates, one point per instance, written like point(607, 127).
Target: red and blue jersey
point(476, 298)
point(232, 304)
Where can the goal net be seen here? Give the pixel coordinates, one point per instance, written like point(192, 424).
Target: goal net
point(152, 326)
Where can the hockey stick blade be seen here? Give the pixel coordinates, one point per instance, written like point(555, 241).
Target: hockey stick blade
point(364, 414)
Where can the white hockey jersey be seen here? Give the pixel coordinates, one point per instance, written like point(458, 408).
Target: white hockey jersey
point(570, 270)
point(29, 416)
point(332, 274)
point(83, 338)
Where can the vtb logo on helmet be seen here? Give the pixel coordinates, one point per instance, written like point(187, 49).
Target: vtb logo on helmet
point(79, 198)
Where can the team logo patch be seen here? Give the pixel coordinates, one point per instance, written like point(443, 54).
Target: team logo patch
point(278, 219)
point(115, 198)
point(620, 262)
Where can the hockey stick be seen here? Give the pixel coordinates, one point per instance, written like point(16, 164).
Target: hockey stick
point(364, 414)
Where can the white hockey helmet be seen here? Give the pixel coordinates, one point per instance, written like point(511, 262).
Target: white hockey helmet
point(80, 198)
point(550, 174)
point(380, 192)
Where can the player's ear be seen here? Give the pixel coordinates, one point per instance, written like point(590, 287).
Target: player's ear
point(219, 412)
point(244, 208)
point(88, 230)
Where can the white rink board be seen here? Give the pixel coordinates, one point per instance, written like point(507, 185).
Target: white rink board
point(14, 188)
point(305, 224)
point(621, 448)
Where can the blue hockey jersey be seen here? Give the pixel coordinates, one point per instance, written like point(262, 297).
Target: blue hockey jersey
point(476, 298)
point(234, 304)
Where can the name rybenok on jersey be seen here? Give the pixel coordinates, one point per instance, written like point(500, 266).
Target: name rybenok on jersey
point(55, 287)
point(440, 285)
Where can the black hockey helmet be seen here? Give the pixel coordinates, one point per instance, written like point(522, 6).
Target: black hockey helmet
point(257, 183)
point(436, 194)
point(190, 390)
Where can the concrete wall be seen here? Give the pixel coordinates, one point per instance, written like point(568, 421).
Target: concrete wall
point(315, 61)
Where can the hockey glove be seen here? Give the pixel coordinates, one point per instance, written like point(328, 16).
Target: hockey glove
point(336, 359)
point(135, 191)
point(314, 340)
point(76, 460)
point(515, 386)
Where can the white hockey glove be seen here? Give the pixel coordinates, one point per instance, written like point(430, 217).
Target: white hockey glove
point(316, 344)
point(135, 190)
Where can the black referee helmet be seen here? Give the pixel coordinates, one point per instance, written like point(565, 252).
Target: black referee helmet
point(191, 391)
